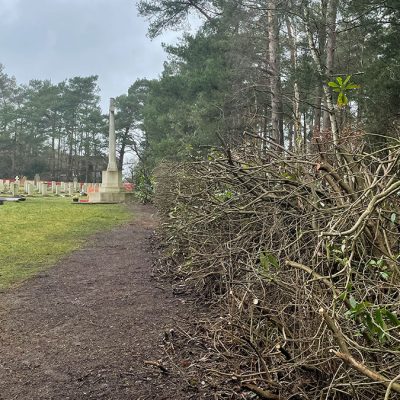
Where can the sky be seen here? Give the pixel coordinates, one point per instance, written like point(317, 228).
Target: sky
point(60, 39)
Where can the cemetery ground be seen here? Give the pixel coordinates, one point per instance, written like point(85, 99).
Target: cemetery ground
point(96, 325)
point(36, 233)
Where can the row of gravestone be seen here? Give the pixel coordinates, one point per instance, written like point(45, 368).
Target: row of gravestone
point(31, 188)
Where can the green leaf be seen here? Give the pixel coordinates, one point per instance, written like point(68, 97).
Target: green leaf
point(273, 260)
point(379, 319)
point(266, 260)
point(381, 324)
point(352, 86)
point(349, 286)
point(369, 323)
point(342, 296)
point(340, 80)
point(346, 80)
point(333, 85)
point(353, 302)
point(391, 317)
point(384, 275)
point(393, 217)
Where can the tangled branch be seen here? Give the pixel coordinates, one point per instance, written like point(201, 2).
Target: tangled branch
point(273, 237)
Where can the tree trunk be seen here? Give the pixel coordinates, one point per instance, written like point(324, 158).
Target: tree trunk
point(53, 149)
point(124, 143)
point(318, 90)
point(331, 15)
point(324, 80)
point(274, 70)
point(296, 99)
point(317, 110)
point(69, 162)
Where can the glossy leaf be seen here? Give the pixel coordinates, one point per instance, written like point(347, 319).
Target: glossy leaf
point(352, 86)
point(346, 81)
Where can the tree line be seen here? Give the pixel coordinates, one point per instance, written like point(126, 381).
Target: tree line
point(59, 130)
point(56, 130)
point(298, 72)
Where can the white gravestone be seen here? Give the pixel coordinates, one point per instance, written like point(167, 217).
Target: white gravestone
point(15, 189)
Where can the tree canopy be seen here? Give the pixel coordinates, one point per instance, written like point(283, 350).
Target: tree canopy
point(250, 70)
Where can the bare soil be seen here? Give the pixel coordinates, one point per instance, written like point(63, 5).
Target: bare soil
point(95, 326)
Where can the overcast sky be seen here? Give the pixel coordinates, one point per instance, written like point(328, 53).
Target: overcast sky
point(59, 39)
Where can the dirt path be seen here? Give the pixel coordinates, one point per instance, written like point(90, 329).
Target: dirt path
point(84, 329)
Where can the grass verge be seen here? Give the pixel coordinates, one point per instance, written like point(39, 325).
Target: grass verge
point(36, 233)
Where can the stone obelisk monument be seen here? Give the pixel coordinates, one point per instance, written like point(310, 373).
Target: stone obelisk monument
point(111, 190)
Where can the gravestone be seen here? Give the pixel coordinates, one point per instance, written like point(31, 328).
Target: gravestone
point(36, 179)
point(44, 189)
point(15, 189)
point(29, 189)
point(58, 190)
point(27, 183)
point(53, 186)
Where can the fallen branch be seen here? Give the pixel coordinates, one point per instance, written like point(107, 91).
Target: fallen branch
point(389, 388)
point(158, 365)
point(317, 276)
point(336, 332)
point(375, 376)
point(264, 394)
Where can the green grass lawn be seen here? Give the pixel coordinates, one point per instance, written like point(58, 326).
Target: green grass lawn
point(34, 234)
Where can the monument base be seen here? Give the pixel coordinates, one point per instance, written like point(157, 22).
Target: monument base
point(111, 190)
point(106, 197)
point(111, 181)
